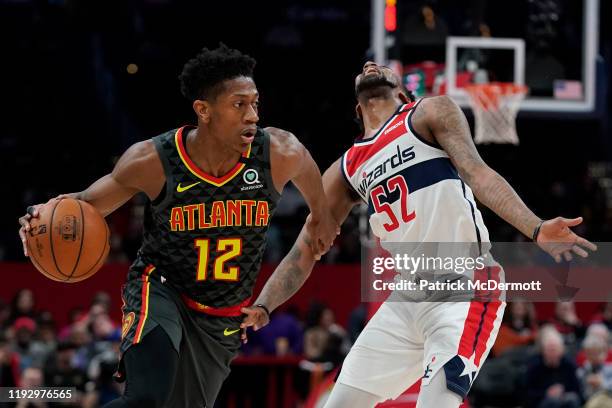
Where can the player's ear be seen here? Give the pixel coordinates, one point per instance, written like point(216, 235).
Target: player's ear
point(404, 98)
point(358, 112)
point(202, 109)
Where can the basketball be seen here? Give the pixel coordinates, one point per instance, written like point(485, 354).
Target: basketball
point(69, 241)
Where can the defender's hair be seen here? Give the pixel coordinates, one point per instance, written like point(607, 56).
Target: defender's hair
point(203, 75)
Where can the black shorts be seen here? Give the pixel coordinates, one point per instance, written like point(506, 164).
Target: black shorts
point(205, 344)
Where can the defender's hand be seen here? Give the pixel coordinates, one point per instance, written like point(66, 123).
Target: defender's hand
point(322, 231)
point(256, 317)
point(556, 238)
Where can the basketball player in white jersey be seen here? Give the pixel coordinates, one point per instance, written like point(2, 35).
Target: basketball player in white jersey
point(417, 167)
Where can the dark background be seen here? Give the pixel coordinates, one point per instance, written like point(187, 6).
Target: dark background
point(70, 108)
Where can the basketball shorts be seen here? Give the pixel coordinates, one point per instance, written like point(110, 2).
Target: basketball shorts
point(405, 341)
point(205, 344)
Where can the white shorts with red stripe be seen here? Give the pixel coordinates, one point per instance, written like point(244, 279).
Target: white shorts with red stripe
point(405, 341)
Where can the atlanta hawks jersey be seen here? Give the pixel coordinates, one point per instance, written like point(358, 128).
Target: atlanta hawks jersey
point(206, 235)
point(413, 191)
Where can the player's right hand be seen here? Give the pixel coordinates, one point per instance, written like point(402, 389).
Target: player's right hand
point(31, 212)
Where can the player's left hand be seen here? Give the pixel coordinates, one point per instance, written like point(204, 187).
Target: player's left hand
point(556, 238)
point(256, 317)
point(322, 231)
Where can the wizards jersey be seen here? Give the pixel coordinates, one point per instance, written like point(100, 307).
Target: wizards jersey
point(413, 190)
point(206, 235)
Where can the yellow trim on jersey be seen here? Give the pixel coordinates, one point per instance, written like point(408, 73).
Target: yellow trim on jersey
point(191, 166)
point(145, 300)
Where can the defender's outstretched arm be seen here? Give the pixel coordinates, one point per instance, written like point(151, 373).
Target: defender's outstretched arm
point(441, 118)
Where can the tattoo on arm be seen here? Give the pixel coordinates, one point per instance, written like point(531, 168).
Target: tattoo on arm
point(497, 194)
point(451, 130)
point(288, 277)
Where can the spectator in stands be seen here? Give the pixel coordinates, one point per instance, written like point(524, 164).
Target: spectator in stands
point(31, 352)
point(357, 321)
point(600, 331)
point(325, 340)
point(9, 364)
point(518, 327)
point(595, 375)
point(22, 305)
point(80, 337)
point(567, 323)
point(46, 331)
point(103, 388)
point(5, 315)
point(103, 336)
point(103, 328)
point(32, 378)
point(605, 317)
point(60, 371)
point(73, 316)
point(551, 375)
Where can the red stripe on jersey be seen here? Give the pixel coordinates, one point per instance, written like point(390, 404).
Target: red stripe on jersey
point(481, 317)
point(489, 318)
point(470, 327)
point(359, 153)
point(487, 327)
point(229, 311)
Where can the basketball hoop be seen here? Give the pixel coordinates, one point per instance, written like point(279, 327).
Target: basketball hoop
point(495, 106)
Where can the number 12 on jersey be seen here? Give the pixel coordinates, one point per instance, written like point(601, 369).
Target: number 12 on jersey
point(227, 248)
point(394, 183)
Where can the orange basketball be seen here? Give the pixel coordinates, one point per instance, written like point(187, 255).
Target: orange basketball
point(69, 241)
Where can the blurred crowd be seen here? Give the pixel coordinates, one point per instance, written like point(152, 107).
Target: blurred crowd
point(560, 361)
point(35, 352)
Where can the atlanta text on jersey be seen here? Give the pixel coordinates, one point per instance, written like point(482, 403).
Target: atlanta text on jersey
point(230, 213)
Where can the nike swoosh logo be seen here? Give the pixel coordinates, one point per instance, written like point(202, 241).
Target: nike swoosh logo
point(227, 332)
point(180, 188)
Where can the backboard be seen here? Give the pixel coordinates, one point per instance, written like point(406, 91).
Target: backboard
point(549, 45)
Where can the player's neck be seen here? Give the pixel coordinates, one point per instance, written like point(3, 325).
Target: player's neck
point(375, 112)
point(209, 155)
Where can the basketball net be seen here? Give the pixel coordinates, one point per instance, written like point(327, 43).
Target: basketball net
point(495, 106)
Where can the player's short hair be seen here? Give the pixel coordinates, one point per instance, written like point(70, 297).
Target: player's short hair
point(203, 76)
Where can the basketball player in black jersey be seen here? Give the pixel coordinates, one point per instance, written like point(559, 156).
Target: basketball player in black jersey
point(212, 189)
